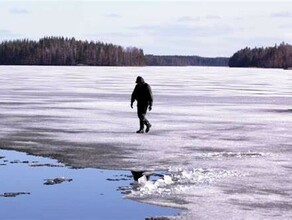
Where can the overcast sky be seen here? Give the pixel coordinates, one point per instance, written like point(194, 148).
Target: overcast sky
point(205, 28)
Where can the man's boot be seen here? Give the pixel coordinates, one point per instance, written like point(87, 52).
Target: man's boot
point(141, 131)
point(148, 126)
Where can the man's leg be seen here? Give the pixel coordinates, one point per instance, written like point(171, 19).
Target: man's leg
point(141, 115)
point(142, 110)
point(148, 125)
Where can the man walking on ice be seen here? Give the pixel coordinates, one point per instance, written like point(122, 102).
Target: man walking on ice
point(143, 95)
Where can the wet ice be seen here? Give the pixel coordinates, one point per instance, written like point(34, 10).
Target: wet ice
point(233, 124)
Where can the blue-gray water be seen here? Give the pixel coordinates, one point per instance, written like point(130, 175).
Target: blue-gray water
point(93, 193)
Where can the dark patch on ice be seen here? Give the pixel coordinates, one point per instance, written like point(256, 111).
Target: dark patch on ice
point(220, 155)
point(24, 136)
point(207, 149)
point(58, 130)
point(74, 154)
point(230, 154)
point(35, 117)
point(288, 167)
point(19, 103)
point(234, 139)
point(113, 132)
point(60, 108)
point(231, 128)
point(160, 132)
point(283, 148)
point(279, 110)
point(255, 190)
point(284, 206)
point(280, 192)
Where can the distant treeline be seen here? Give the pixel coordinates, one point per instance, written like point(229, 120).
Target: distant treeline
point(269, 57)
point(68, 51)
point(152, 60)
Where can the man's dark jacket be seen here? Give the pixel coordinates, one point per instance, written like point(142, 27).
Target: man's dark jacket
point(143, 94)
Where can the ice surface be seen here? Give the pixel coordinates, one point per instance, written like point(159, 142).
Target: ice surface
point(224, 135)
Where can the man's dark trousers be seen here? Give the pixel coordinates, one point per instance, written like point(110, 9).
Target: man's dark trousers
point(142, 109)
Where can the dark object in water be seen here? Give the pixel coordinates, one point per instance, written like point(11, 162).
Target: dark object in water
point(15, 161)
point(117, 179)
point(157, 218)
point(138, 174)
point(45, 165)
point(14, 194)
point(56, 181)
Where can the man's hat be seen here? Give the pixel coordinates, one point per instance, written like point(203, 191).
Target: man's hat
point(140, 80)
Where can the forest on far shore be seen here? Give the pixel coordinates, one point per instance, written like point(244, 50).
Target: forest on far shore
point(269, 57)
point(72, 52)
point(152, 60)
point(68, 51)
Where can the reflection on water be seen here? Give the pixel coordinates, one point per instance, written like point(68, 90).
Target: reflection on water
point(78, 193)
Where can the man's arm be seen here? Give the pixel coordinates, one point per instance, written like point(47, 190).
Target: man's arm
point(133, 96)
point(150, 101)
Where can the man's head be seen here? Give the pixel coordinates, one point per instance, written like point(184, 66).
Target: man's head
point(140, 80)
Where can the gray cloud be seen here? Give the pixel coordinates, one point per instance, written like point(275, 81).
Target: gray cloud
point(183, 30)
point(188, 19)
point(213, 17)
point(113, 15)
point(110, 35)
point(282, 15)
point(285, 26)
point(19, 11)
point(7, 34)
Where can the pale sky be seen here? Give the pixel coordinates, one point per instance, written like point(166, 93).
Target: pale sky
point(205, 28)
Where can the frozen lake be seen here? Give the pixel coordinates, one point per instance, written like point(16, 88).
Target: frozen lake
point(222, 135)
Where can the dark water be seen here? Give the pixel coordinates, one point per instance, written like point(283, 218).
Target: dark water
point(93, 193)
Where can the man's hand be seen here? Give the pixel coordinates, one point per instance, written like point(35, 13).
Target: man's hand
point(131, 104)
point(150, 107)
